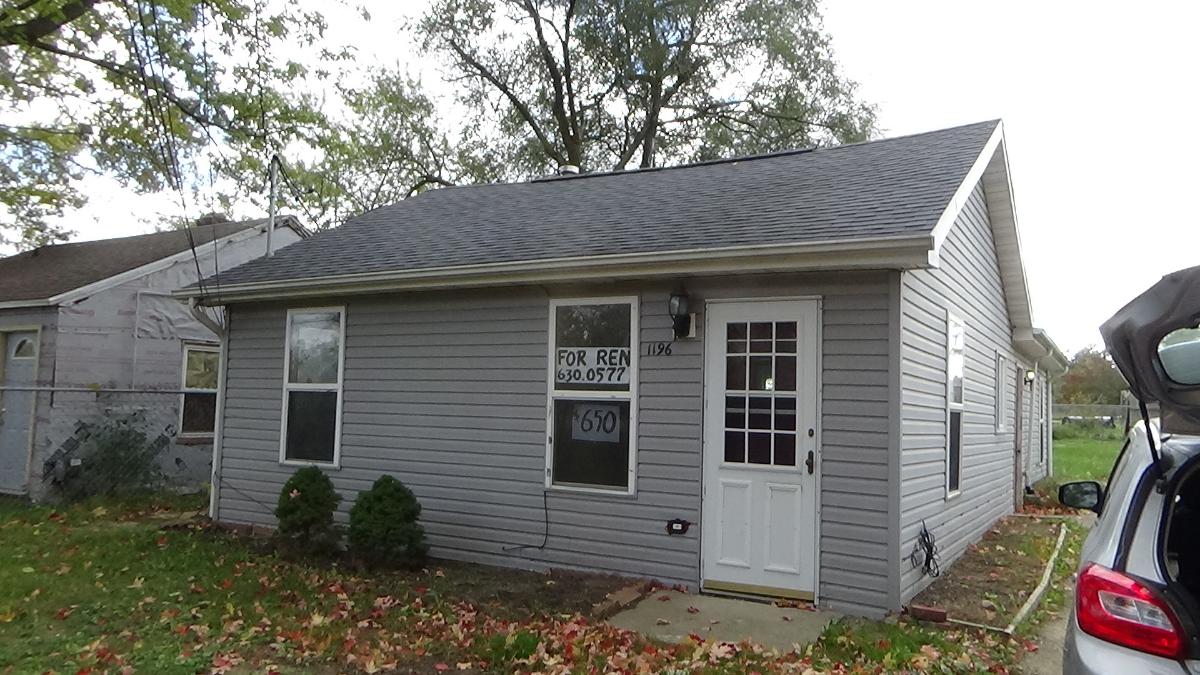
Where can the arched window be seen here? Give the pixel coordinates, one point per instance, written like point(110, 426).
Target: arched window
point(25, 349)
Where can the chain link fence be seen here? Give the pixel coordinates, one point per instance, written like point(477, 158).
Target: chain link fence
point(95, 441)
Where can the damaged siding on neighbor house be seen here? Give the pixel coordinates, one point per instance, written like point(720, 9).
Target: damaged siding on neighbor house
point(966, 284)
point(47, 319)
point(447, 391)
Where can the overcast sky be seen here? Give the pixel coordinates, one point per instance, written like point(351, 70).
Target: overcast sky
point(1099, 103)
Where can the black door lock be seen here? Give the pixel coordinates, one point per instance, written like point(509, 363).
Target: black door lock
point(809, 462)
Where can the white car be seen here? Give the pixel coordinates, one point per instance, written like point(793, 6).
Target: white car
point(1137, 593)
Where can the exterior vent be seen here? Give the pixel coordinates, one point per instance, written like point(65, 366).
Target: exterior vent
point(568, 170)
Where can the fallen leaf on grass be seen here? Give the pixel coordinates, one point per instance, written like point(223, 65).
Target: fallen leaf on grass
point(662, 622)
point(138, 582)
point(693, 610)
point(664, 598)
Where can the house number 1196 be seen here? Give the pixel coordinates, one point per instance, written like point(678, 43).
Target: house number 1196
point(658, 349)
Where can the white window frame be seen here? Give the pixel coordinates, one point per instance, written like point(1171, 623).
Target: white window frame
point(553, 394)
point(951, 406)
point(316, 386)
point(1003, 408)
point(197, 347)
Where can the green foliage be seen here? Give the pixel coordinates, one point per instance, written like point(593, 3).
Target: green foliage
point(305, 513)
point(1089, 428)
point(137, 91)
point(513, 647)
point(118, 459)
point(383, 525)
point(604, 84)
point(1091, 378)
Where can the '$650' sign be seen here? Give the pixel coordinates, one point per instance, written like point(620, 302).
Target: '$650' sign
point(592, 365)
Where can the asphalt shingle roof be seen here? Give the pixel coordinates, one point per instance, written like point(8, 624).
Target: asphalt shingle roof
point(47, 271)
point(891, 187)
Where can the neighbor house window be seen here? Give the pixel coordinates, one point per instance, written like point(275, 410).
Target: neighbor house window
point(312, 388)
point(25, 349)
point(593, 383)
point(201, 364)
point(1002, 403)
point(955, 369)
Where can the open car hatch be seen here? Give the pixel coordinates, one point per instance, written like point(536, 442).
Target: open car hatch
point(1155, 342)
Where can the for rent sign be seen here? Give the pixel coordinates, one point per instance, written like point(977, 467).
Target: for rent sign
point(592, 365)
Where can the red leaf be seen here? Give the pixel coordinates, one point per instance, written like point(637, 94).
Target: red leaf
point(227, 583)
point(664, 598)
point(441, 667)
point(63, 613)
point(693, 610)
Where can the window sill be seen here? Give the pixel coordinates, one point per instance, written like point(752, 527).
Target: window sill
point(197, 439)
point(594, 491)
point(303, 463)
point(951, 496)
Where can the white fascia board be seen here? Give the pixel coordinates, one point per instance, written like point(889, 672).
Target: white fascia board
point(149, 268)
point(20, 304)
point(963, 193)
point(879, 253)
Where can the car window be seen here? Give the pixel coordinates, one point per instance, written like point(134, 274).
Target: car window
point(1119, 466)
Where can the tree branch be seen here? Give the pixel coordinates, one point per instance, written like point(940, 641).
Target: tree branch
point(522, 109)
point(46, 24)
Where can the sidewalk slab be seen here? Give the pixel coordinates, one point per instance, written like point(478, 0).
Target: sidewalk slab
point(724, 619)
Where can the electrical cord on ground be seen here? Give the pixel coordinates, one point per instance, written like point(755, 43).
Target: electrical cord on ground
point(545, 529)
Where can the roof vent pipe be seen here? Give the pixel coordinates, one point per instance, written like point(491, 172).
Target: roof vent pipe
point(568, 170)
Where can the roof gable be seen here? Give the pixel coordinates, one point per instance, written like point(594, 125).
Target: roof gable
point(43, 274)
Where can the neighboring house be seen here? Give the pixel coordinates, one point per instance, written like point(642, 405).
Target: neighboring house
point(89, 332)
point(850, 364)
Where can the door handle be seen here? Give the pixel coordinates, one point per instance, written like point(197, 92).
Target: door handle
point(809, 462)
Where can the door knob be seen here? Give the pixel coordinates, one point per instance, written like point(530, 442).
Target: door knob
point(809, 462)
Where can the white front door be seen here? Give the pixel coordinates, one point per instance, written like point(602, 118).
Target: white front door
point(759, 520)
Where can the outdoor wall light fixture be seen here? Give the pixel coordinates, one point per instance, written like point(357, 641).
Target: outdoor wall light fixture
point(1030, 376)
point(682, 318)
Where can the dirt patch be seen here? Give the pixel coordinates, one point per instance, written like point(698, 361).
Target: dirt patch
point(991, 581)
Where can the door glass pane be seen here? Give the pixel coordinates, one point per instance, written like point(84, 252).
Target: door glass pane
point(760, 448)
point(760, 372)
point(760, 412)
point(785, 413)
point(735, 446)
point(785, 373)
point(785, 450)
point(735, 334)
point(735, 372)
point(785, 330)
point(735, 412)
point(760, 338)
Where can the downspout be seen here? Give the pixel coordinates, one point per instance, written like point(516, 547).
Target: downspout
point(215, 477)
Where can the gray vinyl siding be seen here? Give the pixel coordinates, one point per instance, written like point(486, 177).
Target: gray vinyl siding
point(967, 284)
point(447, 391)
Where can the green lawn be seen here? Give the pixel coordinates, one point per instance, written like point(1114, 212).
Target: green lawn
point(1084, 459)
point(103, 589)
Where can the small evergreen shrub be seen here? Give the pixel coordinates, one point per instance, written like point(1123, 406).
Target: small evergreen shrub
point(383, 526)
point(305, 513)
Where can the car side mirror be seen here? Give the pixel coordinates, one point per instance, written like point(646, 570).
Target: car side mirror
point(1084, 494)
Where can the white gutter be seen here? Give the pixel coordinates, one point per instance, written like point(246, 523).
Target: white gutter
point(881, 253)
point(202, 316)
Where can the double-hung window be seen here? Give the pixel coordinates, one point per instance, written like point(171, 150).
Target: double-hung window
point(312, 386)
point(591, 442)
point(1002, 403)
point(955, 384)
point(199, 410)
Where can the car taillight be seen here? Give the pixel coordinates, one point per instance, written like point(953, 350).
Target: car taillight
point(1118, 609)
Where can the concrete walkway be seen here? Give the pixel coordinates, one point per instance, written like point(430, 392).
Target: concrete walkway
point(726, 619)
point(1047, 660)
